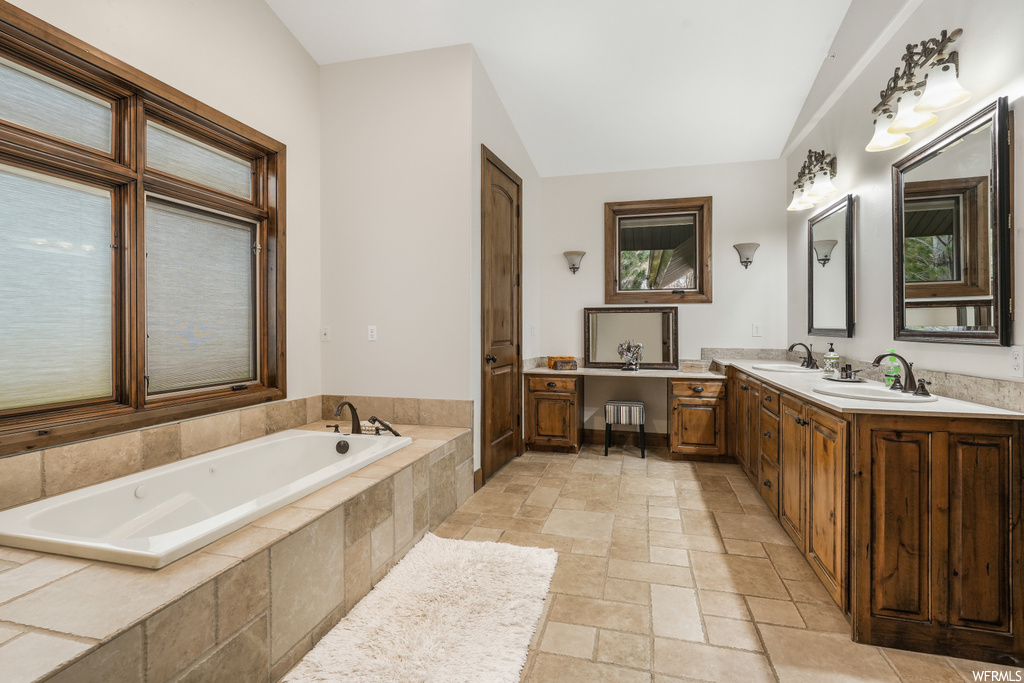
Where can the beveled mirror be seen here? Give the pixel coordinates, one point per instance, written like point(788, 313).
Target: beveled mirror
point(654, 327)
point(952, 263)
point(830, 308)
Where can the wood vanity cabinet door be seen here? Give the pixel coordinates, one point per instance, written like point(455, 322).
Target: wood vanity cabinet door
point(697, 425)
point(753, 424)
point(792, 458)
point(826, 502)
point(736, 419)
point(553, 414)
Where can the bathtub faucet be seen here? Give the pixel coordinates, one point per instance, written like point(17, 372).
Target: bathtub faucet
point(374, 420)
point(356, 429)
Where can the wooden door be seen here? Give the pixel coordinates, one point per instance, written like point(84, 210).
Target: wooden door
point(792, 452)
point(500, 247)
point(826, 502)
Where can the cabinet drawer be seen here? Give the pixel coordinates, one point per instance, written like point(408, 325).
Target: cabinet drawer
point(552, 384)
point(768, 484)
point(696, 388)
point(770, 399)
point(769, 436)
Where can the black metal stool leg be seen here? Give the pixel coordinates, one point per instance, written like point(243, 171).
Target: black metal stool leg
point(643, 451)
point(607, 436)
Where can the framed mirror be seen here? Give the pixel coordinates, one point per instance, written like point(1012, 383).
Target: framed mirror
point(952, 263)
point(830, 308)
point(654, 327)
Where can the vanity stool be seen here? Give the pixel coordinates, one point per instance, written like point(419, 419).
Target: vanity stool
point(623, 413)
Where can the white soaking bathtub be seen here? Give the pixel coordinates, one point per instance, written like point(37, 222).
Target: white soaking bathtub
point(152, 518)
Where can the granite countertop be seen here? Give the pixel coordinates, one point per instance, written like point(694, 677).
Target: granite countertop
point(616, 372)
point(802, 385)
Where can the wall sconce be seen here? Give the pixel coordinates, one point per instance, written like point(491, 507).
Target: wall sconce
point(814, 181)
point(746, 251)
point(574, 258)
point(915, 101)
point(823, 250)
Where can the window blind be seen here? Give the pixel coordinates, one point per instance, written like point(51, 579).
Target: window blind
point(181, 156)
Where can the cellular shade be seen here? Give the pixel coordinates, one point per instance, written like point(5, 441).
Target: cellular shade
point(179, 155)
point(55, 290)
point(43, 104)
point(200, 302)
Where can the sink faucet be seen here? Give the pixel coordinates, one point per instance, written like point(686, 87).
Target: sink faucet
point(356, 429)
point(809, 361)
point(909, 383)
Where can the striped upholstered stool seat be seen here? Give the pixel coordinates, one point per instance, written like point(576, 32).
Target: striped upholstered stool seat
point(623, 413)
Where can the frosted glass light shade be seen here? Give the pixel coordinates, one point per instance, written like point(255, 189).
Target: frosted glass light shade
point(823, 250)
point(908, 119)
point(821, 188)
point(883, 139)
point(942, 90)
point(800, 201)
point(574, 258)
point(746, 251)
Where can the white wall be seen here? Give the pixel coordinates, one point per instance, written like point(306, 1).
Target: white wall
point(748, 203)
point(991, 65)
point(237, 57)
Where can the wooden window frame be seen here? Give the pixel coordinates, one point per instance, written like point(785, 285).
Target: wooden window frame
point(615, 210)
point(137, 97)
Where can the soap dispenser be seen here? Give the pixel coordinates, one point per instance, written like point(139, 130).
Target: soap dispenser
point(892, 369)
point(831, 362)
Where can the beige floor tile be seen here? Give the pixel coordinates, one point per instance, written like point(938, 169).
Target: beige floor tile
point(663, 512)
point(781, 612)
point(448, 530)
point(549, 668)
point(808, 591)
point(789, 562)
point(626, 649)
point(803, 656)
point(588, 546)
point(542, 497)
point(624, 590)
point(479, 533)
point(674, 613)
point(580, 524)
point(632, 521)
point(601, 505)
point(579, 575)
point(720, 501)
point(569, 639)
point(751, 528)
point(491, 503)
point(649, 486)
point(737, 574)
point(510, 523)
point(607, 466)
point(748, 548)
point(562, 503)
point(663, 502)
point(820, 617)
point(667, 539)
point(668, 575)
point(676, 556)
point(528, 512)
point(910, 665)
point(526, 539)
point(710, 663)
point(671, 525)
point(719, 604)
point(732, 633)
point(524, 489)
point(618, 616)
point(699, 523)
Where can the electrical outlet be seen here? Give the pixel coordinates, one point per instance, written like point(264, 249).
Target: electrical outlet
point(533, 329)
point(1017, 361)
point(325, 334)
point(371, 333)
point(756, 330)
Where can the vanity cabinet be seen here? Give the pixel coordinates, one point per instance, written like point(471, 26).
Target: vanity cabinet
point(696, 417)
point(744, 415)
point(554, 420)
point(792, 460)
point(937, 536)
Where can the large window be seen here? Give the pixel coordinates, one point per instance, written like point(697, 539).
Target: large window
point(141, 248)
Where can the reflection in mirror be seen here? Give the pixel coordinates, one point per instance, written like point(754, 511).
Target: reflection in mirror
point(605, 328)
point(951, 238)
point(830, 310)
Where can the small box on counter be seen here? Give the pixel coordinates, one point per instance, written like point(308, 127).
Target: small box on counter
point(556, 359)
point(564, 365)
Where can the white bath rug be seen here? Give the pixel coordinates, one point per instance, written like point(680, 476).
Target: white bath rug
point(448, 611)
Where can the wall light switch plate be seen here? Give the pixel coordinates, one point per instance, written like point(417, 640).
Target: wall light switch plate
point(756, 330)
point(371, 333)
point(1017, 361)
point(325, 334)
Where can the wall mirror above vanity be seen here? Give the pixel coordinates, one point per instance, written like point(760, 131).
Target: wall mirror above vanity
point(830, 304)
point(654, 327)
point(951, 237)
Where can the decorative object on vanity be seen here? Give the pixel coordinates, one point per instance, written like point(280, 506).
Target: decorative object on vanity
point(658, 251)
point(574, 258)
point(656, 328)
point(746, 251)
point(913, 100)
point(564, 365)
point(814, 181)
point(631, 353)
point(952, 255)
point(555, 359)
point(830, 291)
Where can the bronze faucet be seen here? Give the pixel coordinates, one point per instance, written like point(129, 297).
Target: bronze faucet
point(356, 429)
point(809, 361)
point(909, 384)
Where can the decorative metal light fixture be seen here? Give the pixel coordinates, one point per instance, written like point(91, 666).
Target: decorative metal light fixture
point(823, 250)
point(915, 100)
point(574, 258)
point(746, 251)
point(814, 181)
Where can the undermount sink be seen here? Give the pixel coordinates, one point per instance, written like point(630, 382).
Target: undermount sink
point(784, 367)
point(872, 392)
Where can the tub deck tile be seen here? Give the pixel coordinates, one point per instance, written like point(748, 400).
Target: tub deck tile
point(245, 542)
point(32, 655)
point(338, 493)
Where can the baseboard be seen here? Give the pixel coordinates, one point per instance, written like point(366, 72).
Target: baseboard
point(478, 479)
point(651, 439)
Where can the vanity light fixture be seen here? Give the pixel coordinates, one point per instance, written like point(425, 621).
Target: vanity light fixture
point(823, 250)
point(915, 100)
point(746, 251)
point(574, 258)
point(814, 181)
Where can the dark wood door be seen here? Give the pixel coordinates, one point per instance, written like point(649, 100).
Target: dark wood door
point(500, 247)
point(792, 454)
point(826, 502)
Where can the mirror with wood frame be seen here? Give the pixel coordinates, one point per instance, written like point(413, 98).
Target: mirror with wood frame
point(952, 261)
point(830, 306)
point(654, 327)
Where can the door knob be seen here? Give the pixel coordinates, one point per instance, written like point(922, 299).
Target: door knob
point(768, 483)
point(768, 435)
point(491, 359)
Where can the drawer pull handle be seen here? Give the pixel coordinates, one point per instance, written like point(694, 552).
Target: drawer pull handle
point(697, 390)
point(768, 398)
point(768, 483)
point(768, 435)
point(552, 385)
point(802, 422)
point(572, 403)
point(744, 387)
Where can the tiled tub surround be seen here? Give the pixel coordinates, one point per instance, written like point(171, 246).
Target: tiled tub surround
point(251, 603)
